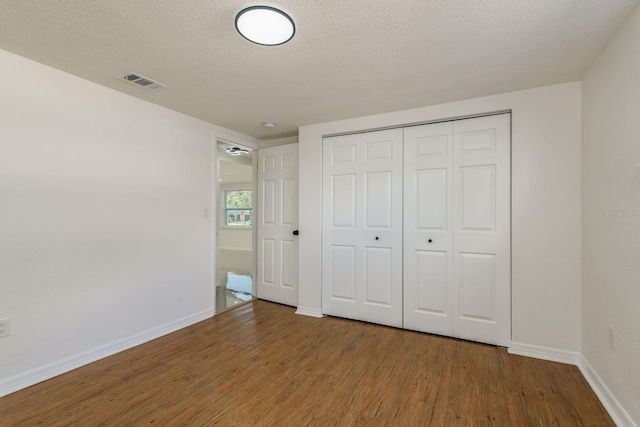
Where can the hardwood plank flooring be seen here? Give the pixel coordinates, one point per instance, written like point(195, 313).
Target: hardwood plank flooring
point(263, 365)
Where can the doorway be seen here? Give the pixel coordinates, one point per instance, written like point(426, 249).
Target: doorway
point(235, 226)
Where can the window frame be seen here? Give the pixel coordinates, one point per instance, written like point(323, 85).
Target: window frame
point(227, 208)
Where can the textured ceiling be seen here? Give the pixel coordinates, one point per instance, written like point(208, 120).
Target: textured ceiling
point(347, 59)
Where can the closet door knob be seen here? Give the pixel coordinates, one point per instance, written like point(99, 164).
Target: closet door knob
point(296, 232)
point(377, 238)
point(430, 240)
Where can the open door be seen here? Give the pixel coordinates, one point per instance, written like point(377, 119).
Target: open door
point(277, 248)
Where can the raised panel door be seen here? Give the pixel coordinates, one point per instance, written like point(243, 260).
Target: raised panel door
point(362, 227)
point(428, 240)
point(482, 229)
point(278, 217)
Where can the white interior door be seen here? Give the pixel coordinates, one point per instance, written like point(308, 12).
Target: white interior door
point(482, 229)
point(362, 230)
point(277, 250)
point(428, 221)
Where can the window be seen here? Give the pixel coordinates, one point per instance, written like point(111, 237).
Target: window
point(238, 208)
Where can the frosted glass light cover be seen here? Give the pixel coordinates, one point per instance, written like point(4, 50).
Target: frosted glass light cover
point(265, 25)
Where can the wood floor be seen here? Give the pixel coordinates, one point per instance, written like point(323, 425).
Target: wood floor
point(262, 365)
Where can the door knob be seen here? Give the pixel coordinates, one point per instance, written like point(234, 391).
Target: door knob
point(377, 238)
point(430, 240)
point(295, 232)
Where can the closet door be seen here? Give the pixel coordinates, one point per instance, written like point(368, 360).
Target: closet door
point(481, 229)
point(362, 227)
point(457, 278)
point(428, 220)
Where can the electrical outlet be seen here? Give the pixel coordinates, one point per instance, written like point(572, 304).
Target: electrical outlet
point(4, 328)
point(612, 337)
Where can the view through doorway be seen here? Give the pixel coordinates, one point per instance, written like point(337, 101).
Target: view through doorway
point(235, 260)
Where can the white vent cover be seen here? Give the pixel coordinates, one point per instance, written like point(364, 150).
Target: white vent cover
point(142, 81)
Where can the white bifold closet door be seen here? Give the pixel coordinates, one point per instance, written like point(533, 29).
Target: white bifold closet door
point(362, 227)
point(277, 220)
point(457, 256)
point(416, 228)
point(428, 239)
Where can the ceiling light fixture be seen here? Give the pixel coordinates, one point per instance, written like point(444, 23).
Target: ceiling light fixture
point(236, 151)
point(265, 25)
point(269, 125)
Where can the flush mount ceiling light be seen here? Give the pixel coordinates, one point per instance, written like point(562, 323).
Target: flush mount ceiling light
point(265, 25)
point(236, 151)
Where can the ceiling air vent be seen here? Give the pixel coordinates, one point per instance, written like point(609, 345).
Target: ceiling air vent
point(142, 81)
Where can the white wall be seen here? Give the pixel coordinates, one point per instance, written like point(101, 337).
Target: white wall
point(103, 240)
point(611, 215)
point(234, 238)
point(546, 287)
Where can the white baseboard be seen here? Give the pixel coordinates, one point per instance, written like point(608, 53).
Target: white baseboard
point(610, 403)
point(236, 249)
point(307, 311)
point(545, 353)
point(45, 372)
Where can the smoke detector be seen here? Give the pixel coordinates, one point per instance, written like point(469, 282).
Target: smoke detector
point(236, 151)
point(142, 81)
